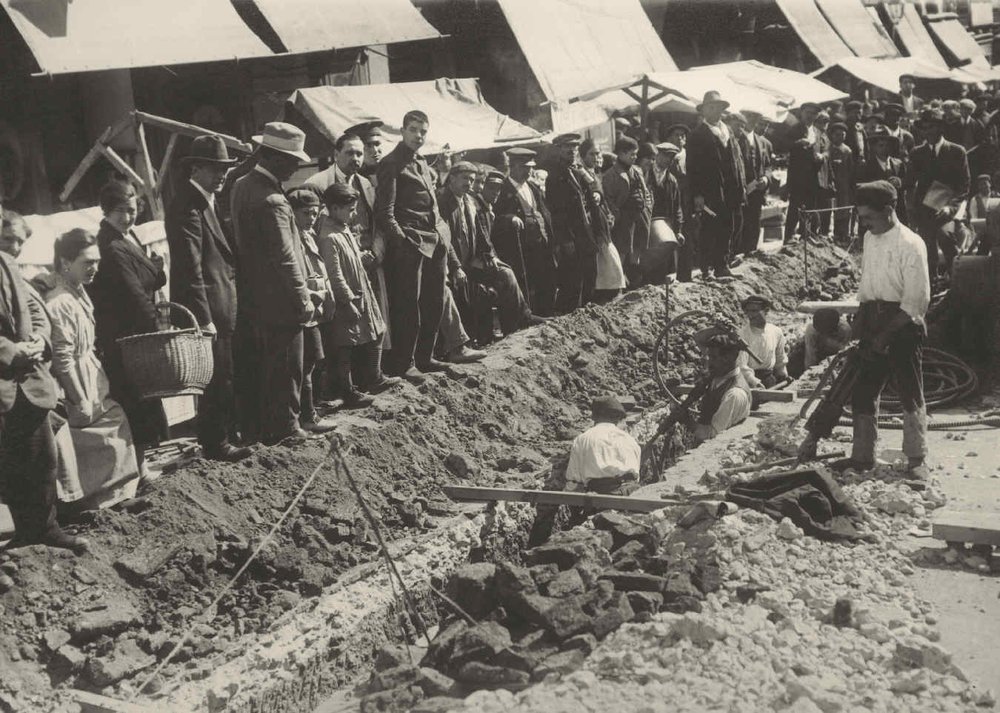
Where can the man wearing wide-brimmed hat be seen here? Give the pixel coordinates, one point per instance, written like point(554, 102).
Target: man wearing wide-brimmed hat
point(717, 181)
point(941, 172)
point(273, 292)
point(203, 279)
point(809, 179)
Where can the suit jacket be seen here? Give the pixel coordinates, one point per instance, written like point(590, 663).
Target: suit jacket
point(843, 171)
point(950, 167)
point(808, 166)
point(405, 201)
point(202, 263)
point(667, 200)
point(895, 168)
point(363, 225)
point(21, 319)
point(272, 277)
point(857, 140)
point(918, 103)
point(536, 237)
point(124, 290)
point(569, 204)
point(758, 160)
point(631, 203)
point(714, 170)
point(470, 249)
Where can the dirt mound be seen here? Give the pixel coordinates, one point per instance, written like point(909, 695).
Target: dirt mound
point(152, 570)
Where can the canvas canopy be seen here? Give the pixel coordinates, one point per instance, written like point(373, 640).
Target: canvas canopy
point(885, 73)
point(814, 30)
point(855, 26)
point(957, 41)
point(459, 116)
point(915, 38)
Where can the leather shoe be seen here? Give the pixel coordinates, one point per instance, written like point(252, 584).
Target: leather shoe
point(322, 425)
point(57, 537)
point(413, 376)
point(843, 464)
point(296, 434)
point(228, 453)
point(358, 400)
point(534, 319)
point(386, 383)
point(723, 272)
point(432, 366)
point(465, 355)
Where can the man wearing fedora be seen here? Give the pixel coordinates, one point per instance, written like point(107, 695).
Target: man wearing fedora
point(882, 165)
point(809, 177)
point(203, 279)
point(941, 173)
point(271, 282)
point(716, 178)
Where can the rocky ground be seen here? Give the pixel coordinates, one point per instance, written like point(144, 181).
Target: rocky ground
point(99, 621)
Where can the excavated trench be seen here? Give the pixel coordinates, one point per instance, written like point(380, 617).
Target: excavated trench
point(309, 614)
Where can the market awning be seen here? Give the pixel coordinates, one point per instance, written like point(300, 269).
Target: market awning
point(318, 25)
point(86, 35)
point(459, 116)
point(814, 31)
point(957, 41)
point(779, 82)
point(578, 46)
point(855, 27)
point(885, 73)
point(915, 39)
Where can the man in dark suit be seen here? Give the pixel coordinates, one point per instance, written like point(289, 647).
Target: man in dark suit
point(911, 103)
point(882, 165)
point(406, 212)
point(522, 232)
point(631, 204)
point(203, 279)
point(855, 130)
point(942, 166)
point(491, 283)
point(758, 161)
point(271, 281)
point(842, 167)
point(906, 143)
point(570, 206)
point(715, 172)
point(27, 394)
point(809, 179)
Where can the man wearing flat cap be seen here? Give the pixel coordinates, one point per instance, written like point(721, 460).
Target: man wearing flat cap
point(768, 353)
point(941, 173)
point(912, 104)
point(490, 282)
point(883, 165)
point(570, 204)
point(273, 293)
point(603, 459)
point(842, 168)
point(809, 178)
point(894, 293)
point(523, 235)
point(203, 279)
point(728, 397)
point(659, 260)
point(370, 133)
point(631, 204)
point(891, 114)
point(717, 180)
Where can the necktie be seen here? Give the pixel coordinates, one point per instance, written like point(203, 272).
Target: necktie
point(470, 225)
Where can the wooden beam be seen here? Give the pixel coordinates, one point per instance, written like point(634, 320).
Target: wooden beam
point(120, 163)
point(842, 306)
point(761, 395)
point(96, 703)
point(146, 167)
point(179, 127)
point(165, 164)
point(81, 170)
point(555, 497)
point(977, 528)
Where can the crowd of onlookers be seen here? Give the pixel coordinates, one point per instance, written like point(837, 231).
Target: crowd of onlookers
point(305, 288)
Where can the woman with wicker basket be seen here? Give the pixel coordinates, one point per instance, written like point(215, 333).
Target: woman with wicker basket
point(124, 296)
point(106, 471)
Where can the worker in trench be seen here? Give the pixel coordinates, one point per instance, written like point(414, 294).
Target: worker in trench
point(603, 459)
point(894, 294)
point(766, 341)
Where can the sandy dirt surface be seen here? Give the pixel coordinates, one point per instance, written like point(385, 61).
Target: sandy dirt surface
point(105, 619)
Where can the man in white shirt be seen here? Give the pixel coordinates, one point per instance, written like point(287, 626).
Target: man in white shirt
point(603, 459)
point(768, 357)
point(894, 294)
point(727, 401)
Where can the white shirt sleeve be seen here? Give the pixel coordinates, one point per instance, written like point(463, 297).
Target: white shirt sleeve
point(780, 355)
point(811, 338)
point(916, 284)
point(735, 407)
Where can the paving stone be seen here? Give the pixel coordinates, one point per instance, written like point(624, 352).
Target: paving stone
point(116, 615)
point(565, 584)
point(125, 660)
point(473, 587)
point(634, 581)
point(477, 672)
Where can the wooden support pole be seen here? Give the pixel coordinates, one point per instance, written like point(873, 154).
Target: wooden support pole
point(165, 164)
point(842, 306)
point(760, 395)
point(146, 169)
point(179, 127)
point(81, 170)
point(555, 497)
point(96, 703)
point(122, 165)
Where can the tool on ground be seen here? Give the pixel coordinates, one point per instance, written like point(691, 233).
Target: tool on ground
point(754, 467)
point(680, 413)
point(594, 501)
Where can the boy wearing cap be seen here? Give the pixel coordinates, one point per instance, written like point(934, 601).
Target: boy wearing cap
point(894, 293)
point(357, 327)
point(603, 459)
point(630, 202)
point(766, 341)
point(271, 282)
point(844, 175)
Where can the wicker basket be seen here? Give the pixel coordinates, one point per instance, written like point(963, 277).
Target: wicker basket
point(172, 363)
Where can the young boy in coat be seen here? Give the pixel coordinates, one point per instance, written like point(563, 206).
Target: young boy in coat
point(358, 326)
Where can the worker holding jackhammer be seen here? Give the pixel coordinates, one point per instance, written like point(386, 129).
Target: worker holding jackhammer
point(894, 294)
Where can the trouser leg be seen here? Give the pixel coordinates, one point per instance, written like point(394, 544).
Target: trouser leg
point(281, 349)
point(246, 381)
point(542, 280)
point(216, 407)
point(736, 235)
point(343, 360)
point(905, 359)
point(405, 264)
point(312, 356)
point(872, 376)
point(432, 302)
point(715, 239)
point(570, 283)
point(28, 463)
point(511, 305)
point(451, 332)
point(751, 224)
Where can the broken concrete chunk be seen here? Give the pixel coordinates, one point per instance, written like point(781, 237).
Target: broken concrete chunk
point(125, 660)
point(396, 699)
point(473, 587)
point(621, 527)
point(634, 581)
point(479, 643)
point(565, 584)
point(567, 617)
point(117, 615)
point(618, 612)
point(477, 672)
point(433, 683)
point(581, 642)
point(562, 663)
point(645, 602)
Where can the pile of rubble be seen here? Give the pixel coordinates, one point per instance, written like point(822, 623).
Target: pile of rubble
point(523, 624)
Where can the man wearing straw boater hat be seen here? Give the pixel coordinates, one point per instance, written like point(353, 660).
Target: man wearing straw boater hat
point(203, 279)
point(716, 179)
point(273, 293)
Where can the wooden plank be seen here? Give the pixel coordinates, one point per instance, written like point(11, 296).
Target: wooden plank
point(554, 497)
point(165, 164)
point(146, 167)
point(761, 395)
point(119, 163)
point(977, 528)
point(842, 306)
point(179, 127)
point(81, 169)
point(95, 703)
